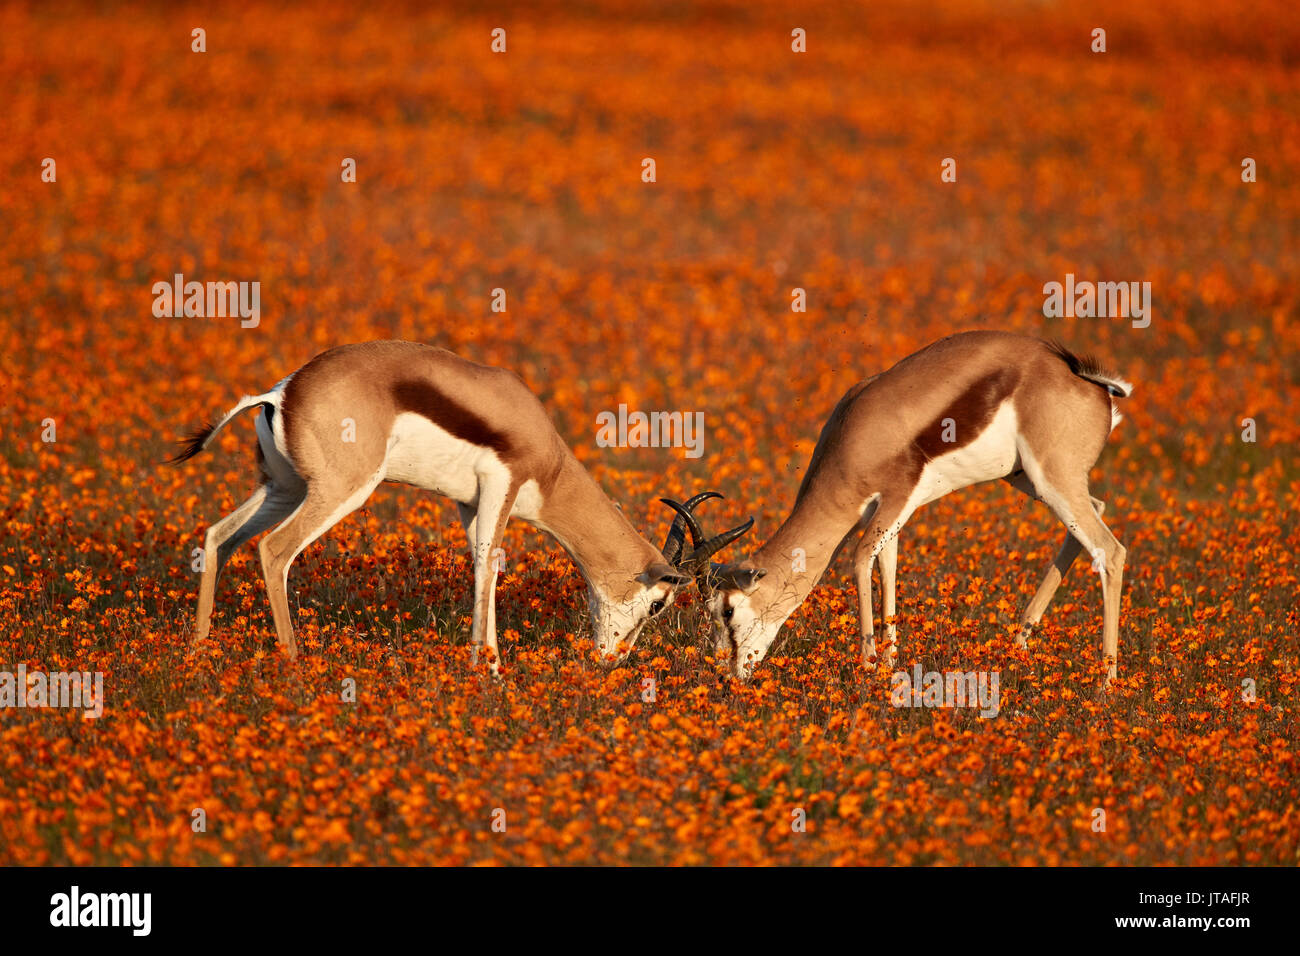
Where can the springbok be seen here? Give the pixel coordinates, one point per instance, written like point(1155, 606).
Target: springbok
point(358, 415)
point(969, 408)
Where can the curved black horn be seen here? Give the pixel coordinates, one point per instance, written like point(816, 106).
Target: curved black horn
point(672, 548)
point(699, 559)
point(684, 517)
point(694, 501)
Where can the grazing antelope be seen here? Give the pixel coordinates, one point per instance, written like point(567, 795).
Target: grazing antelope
point(358, 415)
point(971, 407)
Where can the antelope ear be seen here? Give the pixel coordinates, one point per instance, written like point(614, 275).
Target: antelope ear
point(731, 577)
point(658, 572)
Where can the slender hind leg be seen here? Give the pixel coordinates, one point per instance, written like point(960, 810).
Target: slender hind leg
point(1077, 510)
point(267, 506)
point(1109, 559)
point(1056, 571)
point(323, 506)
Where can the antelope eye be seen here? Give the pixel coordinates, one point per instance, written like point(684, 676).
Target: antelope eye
point(727, 611)
point(656, 607)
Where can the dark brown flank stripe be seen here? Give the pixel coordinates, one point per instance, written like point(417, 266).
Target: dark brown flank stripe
point(972, 411)
point(422, 398)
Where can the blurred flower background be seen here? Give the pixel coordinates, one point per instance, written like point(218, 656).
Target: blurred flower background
point(522, 170)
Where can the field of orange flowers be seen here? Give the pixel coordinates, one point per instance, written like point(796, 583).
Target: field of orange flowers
point(522, 171)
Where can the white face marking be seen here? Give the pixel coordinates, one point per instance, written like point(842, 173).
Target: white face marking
point(747, 630)
point(718, 602)
point(618, 624)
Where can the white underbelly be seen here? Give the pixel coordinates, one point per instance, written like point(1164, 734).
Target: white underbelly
point(424, 455)
point(991, 455)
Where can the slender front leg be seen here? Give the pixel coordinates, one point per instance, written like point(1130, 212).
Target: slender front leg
point(495, 500)
point(863, 559)
point(879, 538)
point(888, 569)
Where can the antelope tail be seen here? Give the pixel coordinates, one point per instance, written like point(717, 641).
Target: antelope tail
point(199, 438)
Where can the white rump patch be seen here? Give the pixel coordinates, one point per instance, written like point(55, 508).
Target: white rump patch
point(528, 501)
point(270, 435)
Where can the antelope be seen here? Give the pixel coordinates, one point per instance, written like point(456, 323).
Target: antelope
point(358, 415)
point(971, 407)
